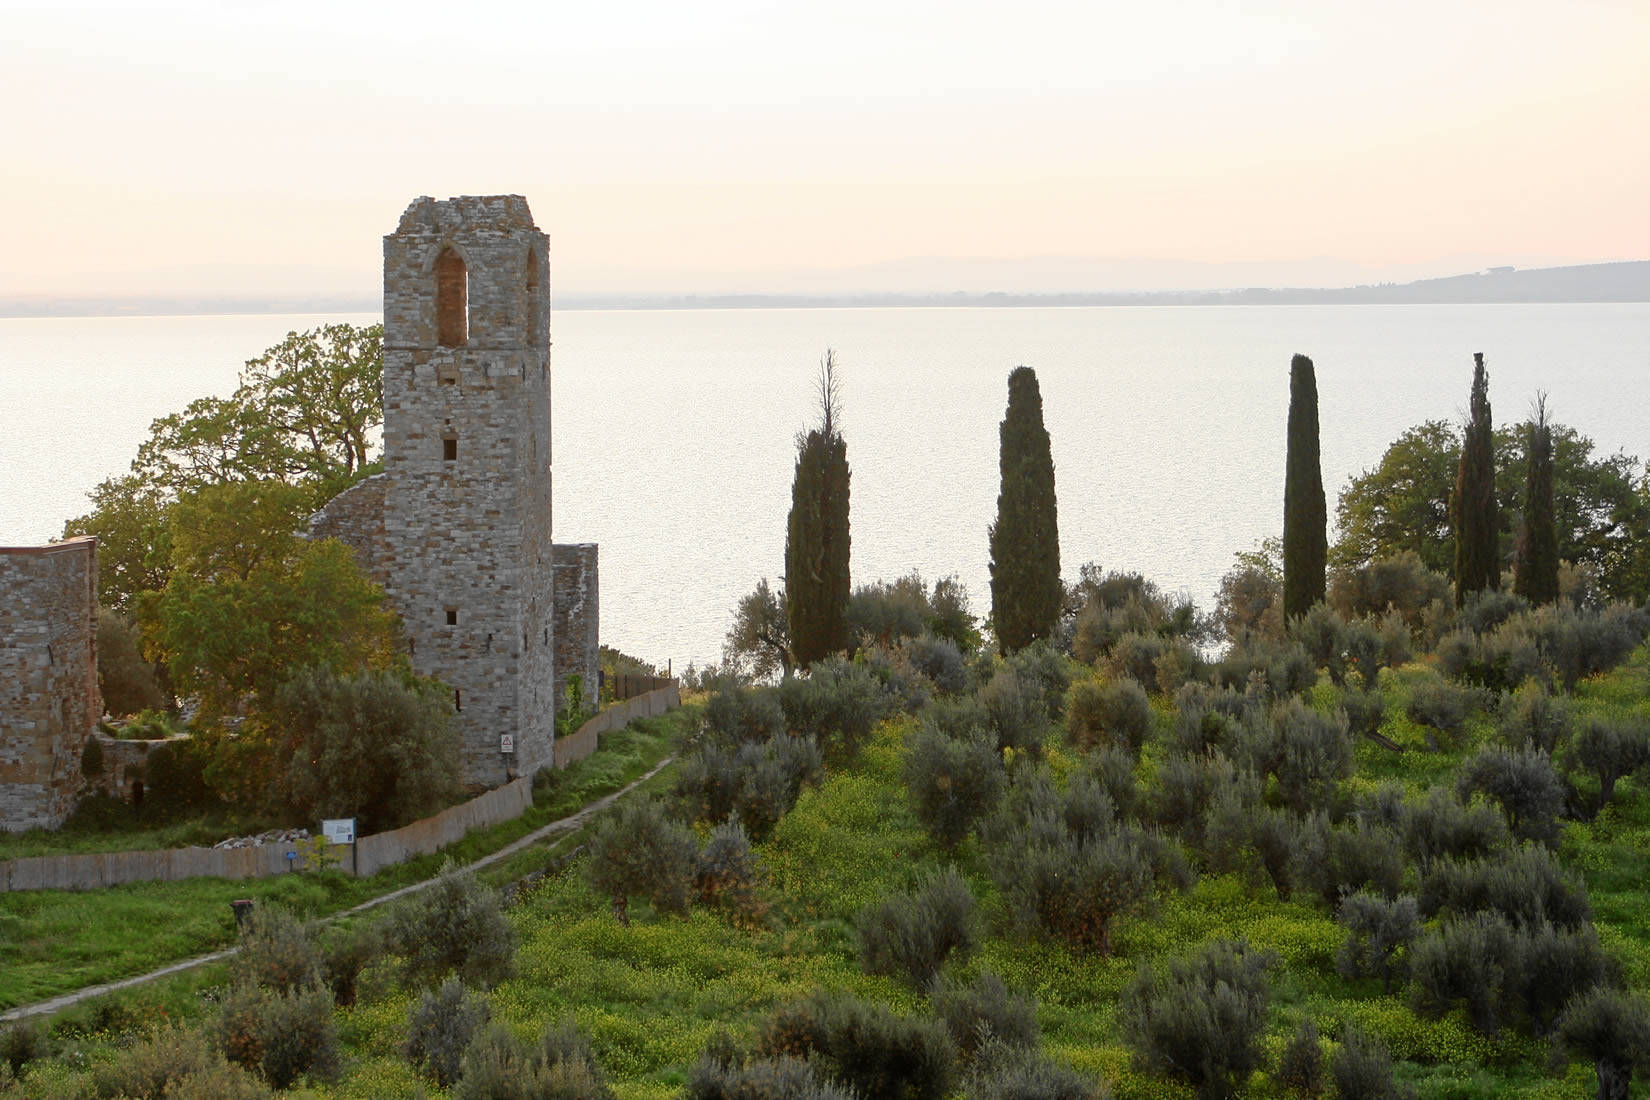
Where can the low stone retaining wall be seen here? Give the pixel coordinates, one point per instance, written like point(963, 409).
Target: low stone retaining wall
point(372, 853)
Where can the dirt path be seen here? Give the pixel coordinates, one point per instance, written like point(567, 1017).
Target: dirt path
point(560, 825)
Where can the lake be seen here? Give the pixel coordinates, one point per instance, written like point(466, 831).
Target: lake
point(674, 430)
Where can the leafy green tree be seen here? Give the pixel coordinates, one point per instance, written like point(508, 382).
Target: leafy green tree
point(817, 536)
point(322, 393)
point(1026, 593)
point(1305, 537)
point(130, 521)
point(1612, 1030)
point(455, 926)
point(1403, 503)
point(376, 746)
point(1535, 574)
point(1250, 599)
point(1474, 511)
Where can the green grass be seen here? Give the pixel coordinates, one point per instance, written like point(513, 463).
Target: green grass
point(57, 941)
point(651, 996)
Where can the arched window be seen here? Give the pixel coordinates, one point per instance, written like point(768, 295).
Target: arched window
point(452, 299)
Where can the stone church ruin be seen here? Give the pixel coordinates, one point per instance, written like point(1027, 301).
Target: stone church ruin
point(456, 528)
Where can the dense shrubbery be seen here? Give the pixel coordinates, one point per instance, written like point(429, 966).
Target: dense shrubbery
point(759, 781)
point(984, 1014)
point(1523, 784)
point(836, 704)
point(561, 1066)
point(1203, 1020)
point(913, 935)
point(637, 849)
point(864, 1046)
point(441, 1028)
point(955, 780)
point(1362, 1067)
point(1108, 712)
point(455, 926)
point(281, 1036)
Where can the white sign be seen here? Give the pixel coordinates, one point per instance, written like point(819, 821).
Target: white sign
point(506, 742)
point(339, 830)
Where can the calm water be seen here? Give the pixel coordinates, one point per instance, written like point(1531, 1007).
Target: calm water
point(673, 445)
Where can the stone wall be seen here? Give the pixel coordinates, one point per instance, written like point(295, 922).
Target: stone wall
point(356, 517)
point(575, 629)
point(49, 701)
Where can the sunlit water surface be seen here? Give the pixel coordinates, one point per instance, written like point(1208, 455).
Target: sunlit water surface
point(674, 429)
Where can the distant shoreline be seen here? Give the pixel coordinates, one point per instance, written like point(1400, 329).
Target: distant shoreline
point(1584, 284)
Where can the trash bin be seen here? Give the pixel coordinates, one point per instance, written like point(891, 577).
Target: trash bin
point(243, 910)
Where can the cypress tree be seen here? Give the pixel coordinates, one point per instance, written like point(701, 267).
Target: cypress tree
point(1305, 517)
point(1473, 508)
point(816, 538)
point(1535, 575)
point(1025, 540)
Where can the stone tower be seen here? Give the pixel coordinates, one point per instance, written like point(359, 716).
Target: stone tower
point(467, 557)
point(48, 678)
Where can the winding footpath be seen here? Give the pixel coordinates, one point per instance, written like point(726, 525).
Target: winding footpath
point(560, 825)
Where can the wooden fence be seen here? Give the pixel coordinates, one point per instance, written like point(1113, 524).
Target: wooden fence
point(372, 853)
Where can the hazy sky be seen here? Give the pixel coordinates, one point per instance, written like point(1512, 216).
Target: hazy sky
point(249, 145)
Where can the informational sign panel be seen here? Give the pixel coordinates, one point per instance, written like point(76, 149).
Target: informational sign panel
point(506, 742)
point(339, 830)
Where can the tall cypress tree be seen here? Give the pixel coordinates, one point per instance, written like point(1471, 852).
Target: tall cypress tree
point(1535, 575)
point(1473, 508)
point(1305, 518)
point(1025, 540)
point(816, 537)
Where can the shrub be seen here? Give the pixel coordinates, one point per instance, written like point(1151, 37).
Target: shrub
point(21, 1042)
point(1015, 711)
point(173, 1062)
point(725, 874)
point(1135, 657)
point(1313, 753)
point(1609, 749)
point(1343, 860)
point(1300, 1066)
point(1525, 786)
point(1534, 718)
point(1488, 608)
point(1114, 712)
point(1203, 1021)
point(1399, 583)
point(1526, 886)
point(1186, 786)
point(728, 1077)
point(913, 935)
point(281, 1036)
point(1113, 768)
point(1555, 965)
point(736, 714)
point(276, 952)
point(378, 746)
point(836, 704)
point(1362, 1067)
point(1364, 649)
point(759, 781)
point(983, 1013)
point(561, 1067)
point(345, 955)
point(1440, 826)
point(1072, 889)
point(1611, 1029)
point(1007, 1072)
point(125, 681)
point(1464, 962)
point(1322, 634)
point(954, 782)
point(638, 849)
point(1203, 717)
point(454, 926)
point(865, 1046)
point(175, 779)
point(1580, 643)
point(441, 1029)
point(1377, 929)
point(940, 661)
point(1364, 711)
point(1440, 706)
point(1045, 672)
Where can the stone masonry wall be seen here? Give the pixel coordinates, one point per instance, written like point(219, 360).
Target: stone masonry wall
point(468, 560)
point(576, 630)
point(49, 701)
point(356, 517)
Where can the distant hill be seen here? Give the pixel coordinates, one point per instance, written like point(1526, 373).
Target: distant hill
point(1613, 282)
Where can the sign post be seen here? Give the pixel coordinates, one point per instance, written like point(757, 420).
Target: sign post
point(341, 830)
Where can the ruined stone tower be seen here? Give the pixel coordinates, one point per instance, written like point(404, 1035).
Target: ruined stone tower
point(467, 465)
point(457, 527)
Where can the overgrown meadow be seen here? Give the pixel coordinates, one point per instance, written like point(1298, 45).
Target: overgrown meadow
point(1186, 802)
